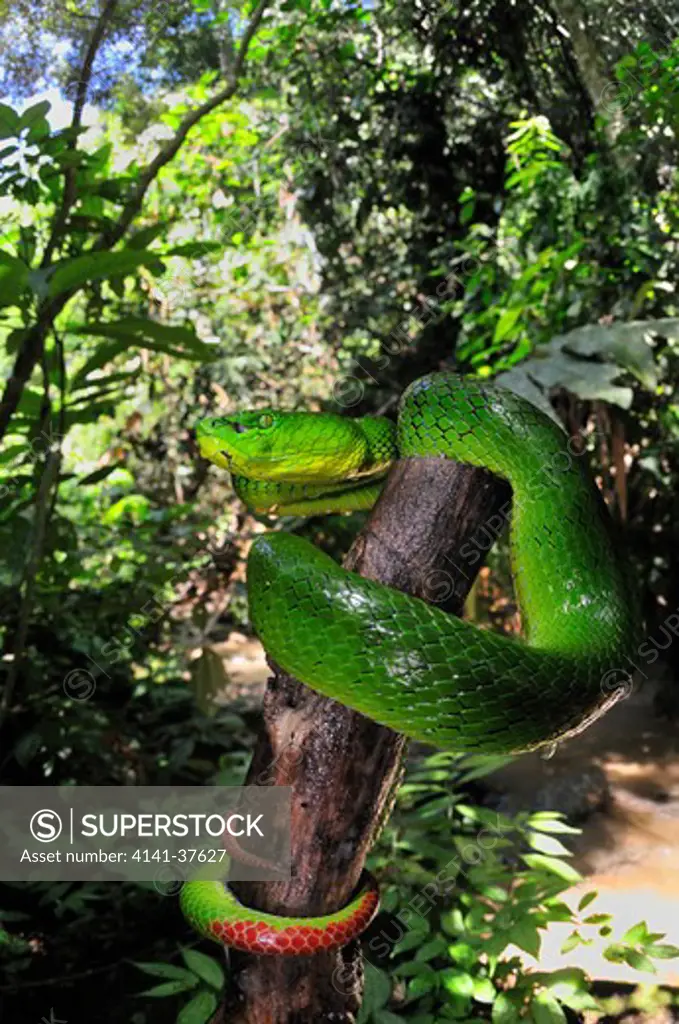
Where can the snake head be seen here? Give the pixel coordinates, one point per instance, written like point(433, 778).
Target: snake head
point(297, 447)
point(239, 441)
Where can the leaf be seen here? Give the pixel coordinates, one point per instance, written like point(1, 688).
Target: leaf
point(146, 235)
point(191, 250)
point(484, 990)
point(168, 988)
point(377, 990)
point(504, 1010)
point(99, 474)
point(572, 942)
point(37, 112)
point(458, 982)
point(13, 279)
point(199, 1010)
point(162, 970)
point(205, 967)
point(588, 898)
point(636, 934)
point(588, 362)
point(639, 961)
point(553, 825)
point(662, 952)
point(557, 910)
point(506, 323)
point(524, 934)
point(412, 968)
point(172, 339)
point(96, 266)
point(430, 949)
point(563, 981)
point(553, 865)
point(546, 1010)
point(102, 355)
point(548, 845)
point(9, 122)
point(482, 765)
point(422, 983)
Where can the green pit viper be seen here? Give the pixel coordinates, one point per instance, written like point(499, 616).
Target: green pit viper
point(392, 657)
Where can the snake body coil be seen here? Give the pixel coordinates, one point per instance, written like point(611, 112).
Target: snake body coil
point(402, 662)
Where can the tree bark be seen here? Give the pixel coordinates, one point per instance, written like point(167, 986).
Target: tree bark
point(606, 94)
point(425, 536)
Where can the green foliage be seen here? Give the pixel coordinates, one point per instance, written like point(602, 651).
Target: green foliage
point(202, 977)
point(467, 900)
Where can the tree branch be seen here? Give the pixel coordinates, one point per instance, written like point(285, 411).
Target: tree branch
point(70, 173)
point(48, 479)
point(344, 768)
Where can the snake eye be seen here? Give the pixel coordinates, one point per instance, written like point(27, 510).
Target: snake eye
point(265, 420)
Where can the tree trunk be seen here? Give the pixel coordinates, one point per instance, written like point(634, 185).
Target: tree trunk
point(607, 96)
point(344, 768)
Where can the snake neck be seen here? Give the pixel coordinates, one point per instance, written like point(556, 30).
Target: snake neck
point(344, 471)
point(568, 576)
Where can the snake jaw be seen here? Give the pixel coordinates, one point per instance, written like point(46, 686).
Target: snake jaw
point(210, 448)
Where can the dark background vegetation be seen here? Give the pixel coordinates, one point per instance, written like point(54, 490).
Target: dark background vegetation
point(375, 193)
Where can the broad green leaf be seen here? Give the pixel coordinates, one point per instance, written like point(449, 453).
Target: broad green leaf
point(524, 934)
point(568, 361)
point(548, 844)
point(162, 970)
point(134, 506)
point(639, 961)
point(192, 250)
point(553, 865)
point(9, 122)
point(432, 948)
point(412, 968)
point(505, 1010)
point(458, 982)
point(554, 825)
point(636, 934)
point(99, 474)
point(422, 983)
point(169, 988)
point(546, 1010)
point(175, 340)
point(146, 235)
point(96, 266)
point(101, 356)
point(563, 981)
point(13, 279)
point(662, 951)
point(37, 112)
point(199, 1010)
point(572, 942)
point(506, 323)
point(377, 989)
point(13, 452)
point(484, 990)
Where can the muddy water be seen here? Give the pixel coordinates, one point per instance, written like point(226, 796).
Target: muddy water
point(627, 767)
